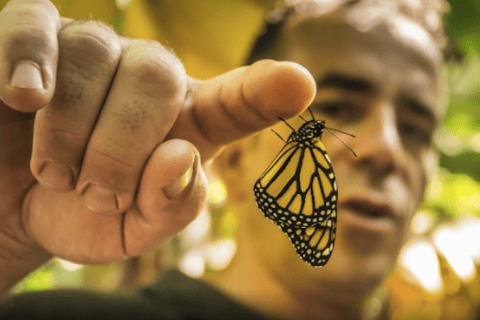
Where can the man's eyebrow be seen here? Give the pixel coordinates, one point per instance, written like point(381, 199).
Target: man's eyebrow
point(346, 82)
point(357, 84)
point(421, 109)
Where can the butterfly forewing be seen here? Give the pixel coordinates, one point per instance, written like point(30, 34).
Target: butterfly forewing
point(299, 187)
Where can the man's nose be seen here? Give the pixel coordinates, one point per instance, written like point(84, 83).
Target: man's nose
point(378, 145)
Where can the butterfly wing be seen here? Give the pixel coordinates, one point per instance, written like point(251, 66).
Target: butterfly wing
point(279, 172)
point(299, 187)
point(314, 244)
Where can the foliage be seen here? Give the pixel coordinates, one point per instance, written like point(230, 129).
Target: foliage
point(459, 137)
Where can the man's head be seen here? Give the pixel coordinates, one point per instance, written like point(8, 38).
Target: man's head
point(378, 80)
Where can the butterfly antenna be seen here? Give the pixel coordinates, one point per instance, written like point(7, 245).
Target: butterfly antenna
point(310, 110)
point(341, 131)
point(346, 145)
point(288, 124)
point(303, 118)
point(279, 135)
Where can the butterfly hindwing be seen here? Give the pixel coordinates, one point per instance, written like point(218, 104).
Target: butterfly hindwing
point(314, 244)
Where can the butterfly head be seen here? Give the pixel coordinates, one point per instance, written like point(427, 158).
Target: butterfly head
point(311, 129)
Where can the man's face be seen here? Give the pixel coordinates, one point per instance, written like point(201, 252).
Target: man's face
point(385, 94)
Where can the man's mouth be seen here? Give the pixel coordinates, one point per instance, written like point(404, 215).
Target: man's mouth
point(370, 208)
point(368, 214)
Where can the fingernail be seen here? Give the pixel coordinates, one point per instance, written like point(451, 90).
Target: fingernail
point(27, 75)
point(99, 199)
point(56, 175)
point(178, 185)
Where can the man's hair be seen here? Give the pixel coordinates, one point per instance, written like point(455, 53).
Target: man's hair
point(363, 15)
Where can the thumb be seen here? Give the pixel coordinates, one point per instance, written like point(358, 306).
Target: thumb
point(242, 102)
point(28, 53)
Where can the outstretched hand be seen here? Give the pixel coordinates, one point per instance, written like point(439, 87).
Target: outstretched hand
point(103, 139)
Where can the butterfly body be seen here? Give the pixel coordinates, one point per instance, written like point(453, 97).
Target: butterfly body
point(308, 131)
point(298, 192)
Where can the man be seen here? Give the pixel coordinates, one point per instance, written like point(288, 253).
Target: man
point(382, 86)
point(376, 71)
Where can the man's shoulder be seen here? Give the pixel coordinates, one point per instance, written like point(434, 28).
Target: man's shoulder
point(173, 296)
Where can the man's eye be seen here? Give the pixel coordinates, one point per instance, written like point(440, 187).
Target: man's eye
point(332, 109)
point(416, 134)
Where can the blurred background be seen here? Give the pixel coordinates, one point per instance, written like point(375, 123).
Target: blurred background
point(437, 274)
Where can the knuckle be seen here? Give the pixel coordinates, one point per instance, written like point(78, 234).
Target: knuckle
point(112, 155)
point(57, 136)
point(88, 44)
point(158, 68)
point(56, 139)
point(69, 92)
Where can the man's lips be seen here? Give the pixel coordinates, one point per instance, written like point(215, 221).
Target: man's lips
point(368, 213)
point(370, 207)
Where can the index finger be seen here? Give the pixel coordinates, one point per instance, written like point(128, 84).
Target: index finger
point(241, 102)
point(28, 53)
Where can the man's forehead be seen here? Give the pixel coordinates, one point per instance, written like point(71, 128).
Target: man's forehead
point(326, 42)
point(421, 19)
point(395, 31)
point(413, 40)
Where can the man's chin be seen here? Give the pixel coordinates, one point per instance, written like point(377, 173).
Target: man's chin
point(356, 274)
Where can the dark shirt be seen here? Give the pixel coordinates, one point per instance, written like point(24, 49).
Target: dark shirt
point(173, 296)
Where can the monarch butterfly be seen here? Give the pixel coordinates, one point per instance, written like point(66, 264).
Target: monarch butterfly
point(298, 192)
